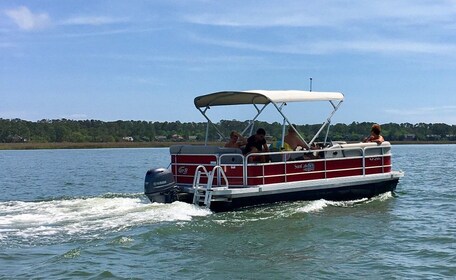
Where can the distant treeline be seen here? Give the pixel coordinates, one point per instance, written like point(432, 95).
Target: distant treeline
point(78, 131)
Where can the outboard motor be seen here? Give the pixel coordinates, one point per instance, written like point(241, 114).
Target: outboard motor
point(159, 186)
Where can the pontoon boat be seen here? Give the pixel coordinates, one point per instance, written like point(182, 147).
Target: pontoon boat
point(223, 179)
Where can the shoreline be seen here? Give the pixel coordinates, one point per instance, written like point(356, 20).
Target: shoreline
point(94, 145)
point(90, 145)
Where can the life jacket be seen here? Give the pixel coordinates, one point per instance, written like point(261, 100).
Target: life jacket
point(277, 146)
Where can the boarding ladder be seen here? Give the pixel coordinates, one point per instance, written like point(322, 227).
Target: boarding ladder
point(202, 192)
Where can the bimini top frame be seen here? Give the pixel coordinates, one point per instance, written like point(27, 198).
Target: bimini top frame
point(278, 98)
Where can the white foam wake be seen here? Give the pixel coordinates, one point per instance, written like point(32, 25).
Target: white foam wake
point(314, 206)
point(86, 217)
point(319, 205)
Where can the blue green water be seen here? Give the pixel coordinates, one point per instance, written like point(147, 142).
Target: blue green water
point(72, 214)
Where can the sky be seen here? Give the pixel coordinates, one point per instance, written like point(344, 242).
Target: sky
point(394, 61)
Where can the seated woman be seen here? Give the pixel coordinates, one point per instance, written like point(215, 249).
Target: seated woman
point(293, 140)
point(375, 135)
point(236, 140)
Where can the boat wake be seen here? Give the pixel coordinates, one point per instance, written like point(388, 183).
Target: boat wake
point(285, 210)
point(67, 219)
point(319, 205)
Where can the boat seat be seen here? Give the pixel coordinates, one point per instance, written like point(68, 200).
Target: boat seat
point(231, 155)
point(201, 149)
point(355, 149)
point(232, 159)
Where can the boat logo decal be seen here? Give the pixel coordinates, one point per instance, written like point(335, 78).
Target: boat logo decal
point(306, 167)
point(182, 170)
point(375, 158)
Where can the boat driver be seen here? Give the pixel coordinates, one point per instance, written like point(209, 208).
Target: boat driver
point(257, 144)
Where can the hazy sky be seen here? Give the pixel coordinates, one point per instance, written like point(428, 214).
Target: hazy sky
point(395, 61)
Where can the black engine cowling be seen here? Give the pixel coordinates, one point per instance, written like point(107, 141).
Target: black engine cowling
point(159, 186)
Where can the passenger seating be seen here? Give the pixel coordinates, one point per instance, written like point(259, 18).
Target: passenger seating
point(227, 155)
point(354, 149)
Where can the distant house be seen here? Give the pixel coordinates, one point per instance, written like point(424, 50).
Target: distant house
point(192, 137)
point(127, 139)
point(433, 137)
point(409, 137)
point(16, 139)
point(177, 137)
point(144, 138)
point(161, 138)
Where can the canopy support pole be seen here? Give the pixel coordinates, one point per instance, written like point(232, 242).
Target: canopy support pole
point(328, 120)
point(250, 125)
point(207, 127)
point(289, 123)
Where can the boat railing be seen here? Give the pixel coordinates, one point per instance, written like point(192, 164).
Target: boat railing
point(359, 159)
point(289, 166)
point(200, 169)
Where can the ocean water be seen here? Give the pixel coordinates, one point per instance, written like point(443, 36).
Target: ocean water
point(80, 214)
